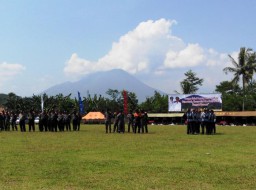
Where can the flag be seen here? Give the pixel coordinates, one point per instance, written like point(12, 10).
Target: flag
point(81, 105)
point(125, 102)
point(42, 103)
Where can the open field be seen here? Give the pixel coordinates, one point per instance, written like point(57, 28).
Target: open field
point(166, 158)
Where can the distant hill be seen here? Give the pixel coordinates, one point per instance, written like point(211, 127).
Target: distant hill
point(100, 82)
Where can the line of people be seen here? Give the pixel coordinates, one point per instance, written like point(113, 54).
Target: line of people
point(137, 122)
point(48, 121)
point(197, 119)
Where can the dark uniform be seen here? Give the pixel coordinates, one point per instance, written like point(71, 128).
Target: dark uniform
point(79, 118)
point(137, 122)
point(60, 121)
point(74, 120)
point(203, 122)
point(31, 121)
point(67, 120)
point(108, 117)
point(115, 123)
point(40, 124)
point(7, 121)
point(13, 122)
point(45, 119)
point(121, 123)
point(130, 118)
point(188, 117)
point(144, 122)
point(1, 121)
point(22, 122)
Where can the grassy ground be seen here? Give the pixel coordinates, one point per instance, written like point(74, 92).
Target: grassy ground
point(166, 158)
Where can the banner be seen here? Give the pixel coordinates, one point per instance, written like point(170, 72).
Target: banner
point(81, 105)
point(182, 102)
point(42, 103)
point(125, 102)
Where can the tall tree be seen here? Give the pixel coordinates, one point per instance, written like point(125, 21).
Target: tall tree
point(244, 68)
point(190, 84)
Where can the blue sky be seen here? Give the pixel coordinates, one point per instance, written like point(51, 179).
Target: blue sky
point(47, 42)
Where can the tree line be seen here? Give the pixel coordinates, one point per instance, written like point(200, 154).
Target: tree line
point(235, 96)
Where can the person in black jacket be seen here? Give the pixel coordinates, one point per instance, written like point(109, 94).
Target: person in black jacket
point(31, 121)
point(108, 117)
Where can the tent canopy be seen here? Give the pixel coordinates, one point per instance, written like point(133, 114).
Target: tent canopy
point(94, 116)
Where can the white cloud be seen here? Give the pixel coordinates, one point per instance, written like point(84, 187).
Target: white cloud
point(140, 50)
point(151, 48)
point(9, 71)
point(190, 56)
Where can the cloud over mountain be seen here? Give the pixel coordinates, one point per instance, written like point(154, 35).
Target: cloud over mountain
point(152, 49)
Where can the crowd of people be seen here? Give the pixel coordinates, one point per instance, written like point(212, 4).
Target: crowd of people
point(200, 121)
point(48, 121)
point(137, 122)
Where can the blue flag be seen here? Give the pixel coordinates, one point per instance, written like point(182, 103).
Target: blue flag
point(81, 105)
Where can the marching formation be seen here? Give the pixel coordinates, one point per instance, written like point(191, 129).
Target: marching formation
point(197, 119)
point(47, 121)
point(137, 121)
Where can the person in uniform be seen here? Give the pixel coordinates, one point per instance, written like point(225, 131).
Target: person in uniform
point(67, 118)
point(22, 122)
point(60, 120)
point(13, 121)
point(121, 123)
point(188, 118)
point(115, 123)
point(203, 122)
point(130, 118)
point(212, 121)
point(137, 122)
point(74, 120)
point(79, 118)
point(7, 121)
point(1, 121)
point(40, 123)
point(108, 117)
point(31, 121)
point(144, 121)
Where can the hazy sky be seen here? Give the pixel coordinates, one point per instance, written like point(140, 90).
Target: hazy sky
point(47, 42)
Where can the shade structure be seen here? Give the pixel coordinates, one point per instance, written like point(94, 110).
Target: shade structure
point(94, 116)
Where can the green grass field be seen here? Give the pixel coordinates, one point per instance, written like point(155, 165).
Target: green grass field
point(165, 158)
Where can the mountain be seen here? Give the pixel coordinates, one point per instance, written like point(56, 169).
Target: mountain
point(100, 82)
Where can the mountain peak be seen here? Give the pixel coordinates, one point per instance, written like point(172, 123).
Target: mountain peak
point(100, 82)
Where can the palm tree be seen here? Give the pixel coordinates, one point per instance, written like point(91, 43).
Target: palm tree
point(245, 68)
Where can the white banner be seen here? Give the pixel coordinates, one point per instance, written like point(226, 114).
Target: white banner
point(182, 102)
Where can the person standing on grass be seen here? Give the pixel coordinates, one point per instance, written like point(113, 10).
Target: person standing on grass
point(121, 123)
point(22, 122)
point(188, 118)
point(130, 118)
point(31, 121)
point(74, 120)
point(144, 121)
point(45, 119)
point(1, 121)
point(212, 122)
point(203, 122)
point(40, 123)
point(108, 117)
point(79, 118)
point(7, 121)
point(13, 121)
point(115, 123)
point(68, 121)
point(137, 122)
